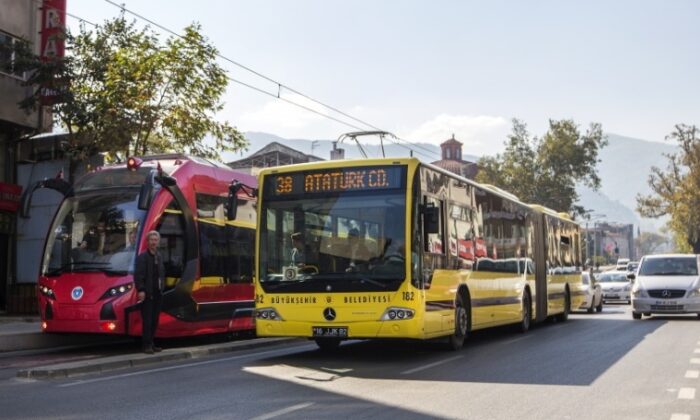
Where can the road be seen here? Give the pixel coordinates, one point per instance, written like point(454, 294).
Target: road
point(598, 366)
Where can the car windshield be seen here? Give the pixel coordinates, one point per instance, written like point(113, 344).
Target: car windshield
point(669, 266)
point(94, 232)
point(350, 241)
point(612, 277)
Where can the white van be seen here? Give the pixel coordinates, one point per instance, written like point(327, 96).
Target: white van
point(666, 284)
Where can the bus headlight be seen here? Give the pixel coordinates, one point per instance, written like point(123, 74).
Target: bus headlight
point(392, 314)
point(268, 314)
point(46, 291)
point(117, 290)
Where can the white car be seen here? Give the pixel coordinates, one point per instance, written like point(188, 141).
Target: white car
point(593, 294)
point(666, 284)
point(622, 263)
point(616, 286)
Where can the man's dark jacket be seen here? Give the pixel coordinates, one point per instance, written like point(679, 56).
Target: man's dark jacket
point(144, 278)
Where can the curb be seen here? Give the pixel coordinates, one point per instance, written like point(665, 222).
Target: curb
point(110, 363)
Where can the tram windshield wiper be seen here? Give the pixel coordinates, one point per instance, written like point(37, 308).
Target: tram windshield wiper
point(77, 266)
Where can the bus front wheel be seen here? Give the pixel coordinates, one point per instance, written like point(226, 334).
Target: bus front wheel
point(456, 340)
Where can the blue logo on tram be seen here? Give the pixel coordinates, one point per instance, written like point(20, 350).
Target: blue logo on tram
point(77, 293)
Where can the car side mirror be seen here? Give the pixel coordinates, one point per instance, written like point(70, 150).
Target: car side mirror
point(631, 277)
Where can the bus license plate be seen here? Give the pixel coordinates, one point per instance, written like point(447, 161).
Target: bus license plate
point(340, 332)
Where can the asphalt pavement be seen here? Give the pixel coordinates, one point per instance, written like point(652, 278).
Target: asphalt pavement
point(594, 366)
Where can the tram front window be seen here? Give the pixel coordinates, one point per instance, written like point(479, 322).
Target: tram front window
point(94, 233)
point(343, 242)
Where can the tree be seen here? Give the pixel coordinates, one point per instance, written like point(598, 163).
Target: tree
point(122, 91)
point(649, 242)
point(677, 190)
point(546, 170)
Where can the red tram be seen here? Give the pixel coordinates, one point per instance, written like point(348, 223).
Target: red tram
point(205, 213)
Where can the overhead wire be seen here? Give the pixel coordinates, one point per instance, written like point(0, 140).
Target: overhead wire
point(397, 140)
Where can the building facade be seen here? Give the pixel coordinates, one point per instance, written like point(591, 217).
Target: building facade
point(452, 159)
point(274, 154)
point(19, 22)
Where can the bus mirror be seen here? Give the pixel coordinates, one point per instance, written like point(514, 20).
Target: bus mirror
point(431, 219)
point(145, 196)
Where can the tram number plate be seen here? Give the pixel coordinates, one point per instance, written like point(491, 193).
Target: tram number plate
point(329, 331)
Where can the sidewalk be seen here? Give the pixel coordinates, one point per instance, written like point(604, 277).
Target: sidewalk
point(24, 333)
point(125, 361)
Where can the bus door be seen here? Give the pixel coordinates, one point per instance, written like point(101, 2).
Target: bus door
point(540, 259)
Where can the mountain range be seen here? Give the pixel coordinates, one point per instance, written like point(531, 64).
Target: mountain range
point(624, 168)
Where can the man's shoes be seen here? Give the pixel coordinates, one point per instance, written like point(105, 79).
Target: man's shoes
point(157, 349)
point(149, 350)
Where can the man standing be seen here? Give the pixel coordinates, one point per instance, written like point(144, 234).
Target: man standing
point(149, 278)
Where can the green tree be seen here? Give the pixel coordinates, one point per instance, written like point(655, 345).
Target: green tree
point(122, 91)
point(649, 242)
point(546, 170)
point(676, 191)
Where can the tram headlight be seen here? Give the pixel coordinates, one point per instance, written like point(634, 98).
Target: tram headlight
point(117, 290)
point(47, 291)
point(394, 313)
point(268, 314)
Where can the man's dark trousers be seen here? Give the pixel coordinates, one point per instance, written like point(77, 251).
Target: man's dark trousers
point(150, 313)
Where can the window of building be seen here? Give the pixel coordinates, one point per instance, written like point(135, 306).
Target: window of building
point(8, 46)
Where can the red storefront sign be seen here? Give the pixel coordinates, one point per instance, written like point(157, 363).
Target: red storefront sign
point(10, 195)
point(53, 29)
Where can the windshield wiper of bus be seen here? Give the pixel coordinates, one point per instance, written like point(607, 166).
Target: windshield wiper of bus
point(85, 266)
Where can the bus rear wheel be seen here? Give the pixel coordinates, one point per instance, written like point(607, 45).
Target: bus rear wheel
point(456, 340)
point(562, 317)
point(524, 325)
point(328, 344)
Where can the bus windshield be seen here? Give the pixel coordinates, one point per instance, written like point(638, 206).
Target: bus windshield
point(339, 242)
point(94, 232)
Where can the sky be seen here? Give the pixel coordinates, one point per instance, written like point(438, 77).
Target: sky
point(427, 69)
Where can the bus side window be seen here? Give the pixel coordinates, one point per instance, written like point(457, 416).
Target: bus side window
point(172, 246)
point(212, 247)
point(239, 256)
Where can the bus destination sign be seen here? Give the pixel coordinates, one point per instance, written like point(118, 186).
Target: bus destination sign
point(337, 180)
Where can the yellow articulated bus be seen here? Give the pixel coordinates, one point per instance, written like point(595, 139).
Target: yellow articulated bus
point(396, 248)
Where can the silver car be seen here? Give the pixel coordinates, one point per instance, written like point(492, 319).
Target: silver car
point(666, 284)
point(616, 286)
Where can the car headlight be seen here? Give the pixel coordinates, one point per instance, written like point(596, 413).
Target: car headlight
point(627, 288)
point(639, 292)
point(694, 292)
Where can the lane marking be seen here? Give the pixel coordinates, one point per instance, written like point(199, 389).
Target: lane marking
point(284, 411)
point(692, 374)
point(694, 361)
point(686, 394)
point(164, 369)
point(515, 340)
point(430, 365)
point(680, 416)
